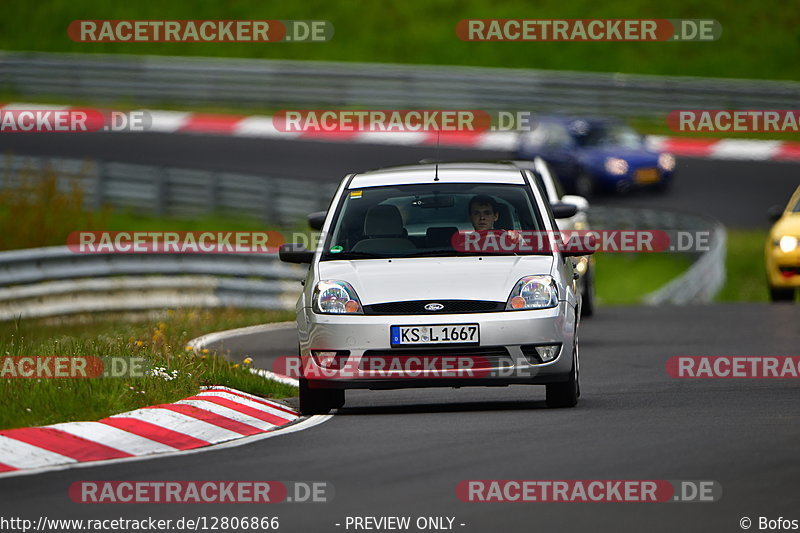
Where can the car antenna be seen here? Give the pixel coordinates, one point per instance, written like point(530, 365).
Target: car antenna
point(436, 171)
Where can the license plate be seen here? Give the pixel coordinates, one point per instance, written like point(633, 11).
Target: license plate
point(437, 334)
point(647, 175)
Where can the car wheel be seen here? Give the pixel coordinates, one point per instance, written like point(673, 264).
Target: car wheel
point(319, 401)
point(584, 185)
point(565, 394)
point(781, 295)
point(587, 293)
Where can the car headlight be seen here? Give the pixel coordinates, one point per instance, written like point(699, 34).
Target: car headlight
point(787, 243)
point(581, 265)
point(616, 166)
point(533, 292)
point(666, 162)
point(336, 297)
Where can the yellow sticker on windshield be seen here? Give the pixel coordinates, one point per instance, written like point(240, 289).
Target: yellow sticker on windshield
point(355, 194)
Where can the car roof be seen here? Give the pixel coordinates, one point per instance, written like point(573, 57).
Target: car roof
point(453, 172)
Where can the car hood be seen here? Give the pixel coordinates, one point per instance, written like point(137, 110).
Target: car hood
point(431, 278)
point(634, 156)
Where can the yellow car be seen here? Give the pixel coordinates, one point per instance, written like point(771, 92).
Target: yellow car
point(782, 251)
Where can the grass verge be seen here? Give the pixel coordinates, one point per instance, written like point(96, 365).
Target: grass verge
point(624, 279)
point(174, 372)
point(746, 274)
point(759, 39)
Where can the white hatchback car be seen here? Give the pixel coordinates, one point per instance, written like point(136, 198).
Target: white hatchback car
point(392, 300)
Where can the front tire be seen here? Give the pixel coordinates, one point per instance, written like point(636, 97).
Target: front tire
point(565, 394)
point(319, 401)
point(781, 295)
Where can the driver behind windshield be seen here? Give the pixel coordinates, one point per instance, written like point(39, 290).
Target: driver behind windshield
point(483, 212)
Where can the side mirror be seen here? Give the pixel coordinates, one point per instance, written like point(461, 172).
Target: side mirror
point(562, 210)
point(578, 201)
point(295, 253)
point(774, 213)
point(317, 220)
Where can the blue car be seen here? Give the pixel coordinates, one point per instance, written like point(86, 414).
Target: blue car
point(596, 154)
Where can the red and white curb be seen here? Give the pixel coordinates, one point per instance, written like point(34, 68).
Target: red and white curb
point(216, 416)
point(263, 127)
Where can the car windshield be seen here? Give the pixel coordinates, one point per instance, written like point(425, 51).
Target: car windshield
point(420, 220)
point(611, 135)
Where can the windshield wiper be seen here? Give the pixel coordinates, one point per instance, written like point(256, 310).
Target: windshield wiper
point(353, 255)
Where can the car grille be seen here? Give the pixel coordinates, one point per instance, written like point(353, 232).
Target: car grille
point(416, 307)
point(481, 356)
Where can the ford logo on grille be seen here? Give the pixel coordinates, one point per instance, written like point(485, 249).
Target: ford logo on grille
point(434, 307)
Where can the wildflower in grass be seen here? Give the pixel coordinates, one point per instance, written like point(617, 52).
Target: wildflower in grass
point(163, 373)
point(189, 348)
point(139, 343)
point(205, 350)
point(248, 360)
point(236, 365)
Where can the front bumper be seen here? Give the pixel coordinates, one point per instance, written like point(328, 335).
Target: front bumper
point(652, 177)
point(500, 352)
point(783, 269)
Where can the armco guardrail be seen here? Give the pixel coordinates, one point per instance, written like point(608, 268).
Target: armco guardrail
point(175, 191)
point(51, 281)
point(704, 279)
point(147, 80)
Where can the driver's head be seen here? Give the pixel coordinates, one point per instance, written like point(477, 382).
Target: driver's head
point(483, 212)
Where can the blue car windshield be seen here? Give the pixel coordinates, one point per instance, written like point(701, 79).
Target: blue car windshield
point(615, 135)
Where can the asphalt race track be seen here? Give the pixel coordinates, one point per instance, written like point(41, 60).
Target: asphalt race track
point(401, 453)
point(738, 193)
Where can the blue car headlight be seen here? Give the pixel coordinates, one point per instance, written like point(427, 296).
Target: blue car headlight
point(616, 166)
point(666, 162)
